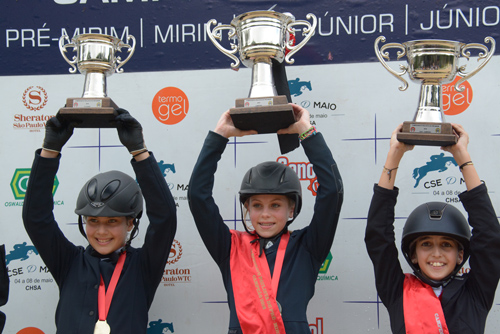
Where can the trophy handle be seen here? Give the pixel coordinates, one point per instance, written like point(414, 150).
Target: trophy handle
point(62, 48)
point(308, 32)
point(381, 54)
point(130, 50)
point(216, 34)
point(482, 55)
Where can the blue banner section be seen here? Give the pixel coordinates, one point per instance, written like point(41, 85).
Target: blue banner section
point(171, 35)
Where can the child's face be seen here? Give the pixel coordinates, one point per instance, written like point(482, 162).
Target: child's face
point(107, 234)
point(269, 213)
point(437, 256)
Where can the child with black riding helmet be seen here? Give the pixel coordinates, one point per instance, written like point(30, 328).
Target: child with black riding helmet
point(268, 271)
point(436, 242)
point(108, 285)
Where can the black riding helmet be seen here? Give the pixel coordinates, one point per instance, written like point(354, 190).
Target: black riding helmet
point(272, 178)
point(435, 218)
point(110, 194)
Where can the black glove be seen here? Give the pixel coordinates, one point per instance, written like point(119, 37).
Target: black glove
point(129, 132)
point(58, 131)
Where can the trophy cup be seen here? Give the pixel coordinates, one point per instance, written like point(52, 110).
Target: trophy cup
point(262, 36)
point(95, 57)
point(433, 63)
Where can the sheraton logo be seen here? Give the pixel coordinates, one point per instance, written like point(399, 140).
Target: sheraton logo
point(35, 98)
point(171, 276)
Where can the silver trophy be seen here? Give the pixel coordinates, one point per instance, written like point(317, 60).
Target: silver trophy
point(96, 59)
point(432, 62)
point(262, 36)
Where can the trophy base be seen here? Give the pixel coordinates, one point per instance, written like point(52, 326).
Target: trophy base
point(90, 112)
point(427, 134)
point(263, 114)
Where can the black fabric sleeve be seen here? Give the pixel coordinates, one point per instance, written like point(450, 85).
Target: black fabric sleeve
point(213, 231)
point(329, 196)
point(380, 243)
point(484, 260)
point(161, 212)
point(54, 248)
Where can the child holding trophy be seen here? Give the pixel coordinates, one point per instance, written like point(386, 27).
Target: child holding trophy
point(436, 243)
point(109, 285)
point(271, 198)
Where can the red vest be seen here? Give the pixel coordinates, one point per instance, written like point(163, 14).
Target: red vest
point(422, 308)
point(254, 291)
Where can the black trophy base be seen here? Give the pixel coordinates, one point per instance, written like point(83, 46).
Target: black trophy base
point(427, 134)
point(263, 114)
point(90, 112)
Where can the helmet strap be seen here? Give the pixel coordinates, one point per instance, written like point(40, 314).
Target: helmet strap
point(80, 227)
point(135, 230)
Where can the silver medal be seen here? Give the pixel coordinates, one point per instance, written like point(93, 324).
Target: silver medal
point(102, 327)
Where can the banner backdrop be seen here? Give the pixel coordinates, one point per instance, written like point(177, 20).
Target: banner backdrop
point(177, 84)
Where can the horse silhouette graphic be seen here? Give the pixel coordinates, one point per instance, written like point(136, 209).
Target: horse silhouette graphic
point(438, 163)
point(165, 168)
point(158, 327)
point(21, 252)
point(296, 86)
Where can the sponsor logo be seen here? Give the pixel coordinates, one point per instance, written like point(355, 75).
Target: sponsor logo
point(97, 204)
point(35, 98)
point(159, 327)
point(438, 163)
point(326, 264)
point(297, 87)
point(447, 186)
point(20, 252)
point(175, 252)
point(31, 276)
point(323, 271)
point(171, 276)
point(317, 328)
point(166, 168)
point(454, 102)
point(304, 171)
point(170, 105)
point(19, 183)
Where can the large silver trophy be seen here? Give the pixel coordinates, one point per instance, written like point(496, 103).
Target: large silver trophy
point(432, 63)
point(262, 36)
point(96, 59)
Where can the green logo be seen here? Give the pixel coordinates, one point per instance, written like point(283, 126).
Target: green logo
point(326, 264)
point(19, 183)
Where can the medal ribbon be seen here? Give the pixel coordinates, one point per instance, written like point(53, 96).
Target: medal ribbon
point(254, 289)
point(422, 308)
point(105, 297)
point(278, 265)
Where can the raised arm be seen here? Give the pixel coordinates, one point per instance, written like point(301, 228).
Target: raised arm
point(213, 231)
point(54, 248)
point(484, 259)
point(379, 234)
point(160, 205)
point(330, 192)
